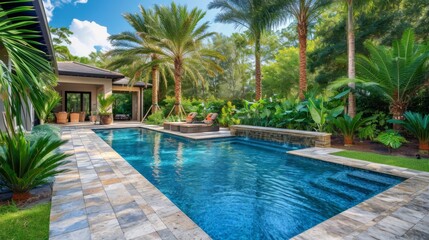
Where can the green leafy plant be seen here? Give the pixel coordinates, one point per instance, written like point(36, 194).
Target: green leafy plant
point(46, 130)
point(322, 115)
point(391, 139)
point(228, 115)
point(104, 104)
point(367, 132)
point(43, 108)
point(25, 165)
point(348, 126)
point(156, 118)
point(418, 125)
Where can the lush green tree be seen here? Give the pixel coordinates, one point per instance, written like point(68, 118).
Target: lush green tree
point(398, 72)
point(257, 17)
point(131, 49)
point(60, 40)
point(304, 12)
point(177, 40)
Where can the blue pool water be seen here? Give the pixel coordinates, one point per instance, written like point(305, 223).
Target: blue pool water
point(242, 189)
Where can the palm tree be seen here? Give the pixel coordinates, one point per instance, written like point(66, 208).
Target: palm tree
point(27, 72)
point(351, 71)
point(177, 40)
point(131, 49)
point(257, 17)
point(397, 72)
point(304, 12)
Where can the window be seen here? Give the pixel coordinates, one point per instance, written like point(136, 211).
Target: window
point(78, 102)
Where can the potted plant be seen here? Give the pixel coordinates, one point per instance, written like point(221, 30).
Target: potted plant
point(104, 108)
point(418, 125)
point(93, 117)
point(348, 126)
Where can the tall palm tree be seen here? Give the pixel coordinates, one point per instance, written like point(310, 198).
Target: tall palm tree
point(304, 12)
point(257, 16)
point(25, 72)
point(351, 71)
point(131, 50)
point(177, 40)
point(397, 72)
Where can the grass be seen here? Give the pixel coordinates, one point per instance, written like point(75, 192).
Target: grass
point(406, 162)
point(32, 223)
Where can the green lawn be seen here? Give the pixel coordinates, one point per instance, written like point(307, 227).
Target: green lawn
point(406, 162)
point(32, 223)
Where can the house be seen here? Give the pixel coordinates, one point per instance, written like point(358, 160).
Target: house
point(78, 84)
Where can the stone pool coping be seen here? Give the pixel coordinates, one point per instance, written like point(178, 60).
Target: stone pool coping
point(400, 212)
point(104, 197)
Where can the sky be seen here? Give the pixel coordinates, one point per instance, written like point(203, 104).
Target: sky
point(93, 21)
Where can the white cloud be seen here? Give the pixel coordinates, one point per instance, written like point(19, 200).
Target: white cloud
point(87, 36)
point(49, 9)
point(50, 6)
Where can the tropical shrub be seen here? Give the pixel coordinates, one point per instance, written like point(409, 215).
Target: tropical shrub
point(348, 126)
point(104, 104)
point(47, 130)
point(418, 125)
point(227, 117)
point(25, 165)
point(43, 108)
point(391, 139)
point(156, 118)
point(321, 114)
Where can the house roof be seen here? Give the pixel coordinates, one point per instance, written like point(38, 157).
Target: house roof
point(42, 27)
point(126, 81)
point(83, 70)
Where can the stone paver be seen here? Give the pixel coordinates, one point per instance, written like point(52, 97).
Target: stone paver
point(102, 197)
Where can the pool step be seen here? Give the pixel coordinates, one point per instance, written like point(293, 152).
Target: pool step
point(325, 198)
point(372, 178)
point(262, 145)
point(355, 184)
point(339, 190)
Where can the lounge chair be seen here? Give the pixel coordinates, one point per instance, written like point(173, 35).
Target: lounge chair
point(208, 125)
point(174, 126)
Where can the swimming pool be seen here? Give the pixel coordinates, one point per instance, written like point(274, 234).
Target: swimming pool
point(244, 189)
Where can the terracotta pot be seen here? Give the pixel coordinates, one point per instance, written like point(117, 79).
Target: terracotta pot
point(106, 119)
point(424, 146)
point(74, 117)
point(82, 116)
point(348, 140)
point(21, 196)
point(93, 118)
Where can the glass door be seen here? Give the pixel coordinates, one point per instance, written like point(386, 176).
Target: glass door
point(78, 102)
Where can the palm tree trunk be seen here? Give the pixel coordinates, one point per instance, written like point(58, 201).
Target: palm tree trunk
point(155, 85)
point(258, 75)
point(351, 58)
point(397, 109)
point(302, 38)
point(177, 85)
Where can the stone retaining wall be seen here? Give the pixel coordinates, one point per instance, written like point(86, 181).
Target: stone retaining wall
point(287, 136)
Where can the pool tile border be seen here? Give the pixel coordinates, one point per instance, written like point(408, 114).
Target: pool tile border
point(401, 212)
point(103, 197)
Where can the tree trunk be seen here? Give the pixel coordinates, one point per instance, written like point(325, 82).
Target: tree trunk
point(258, 76)
point(302, 37)
point(155, 85)
point(397, 109)
point(351, 58)
point(177, 85)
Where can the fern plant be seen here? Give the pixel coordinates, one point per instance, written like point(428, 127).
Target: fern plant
point(391, 139)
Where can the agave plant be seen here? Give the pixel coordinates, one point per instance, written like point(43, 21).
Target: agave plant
point(25, 165)
point(418, 125)
point(349, 125)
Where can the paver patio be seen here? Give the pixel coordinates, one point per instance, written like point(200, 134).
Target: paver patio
point(103, 197)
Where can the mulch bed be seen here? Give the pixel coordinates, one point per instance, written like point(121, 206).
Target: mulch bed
point(39, 195)
point(410, 149)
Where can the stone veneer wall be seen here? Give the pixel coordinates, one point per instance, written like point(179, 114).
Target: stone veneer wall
point(288, 136)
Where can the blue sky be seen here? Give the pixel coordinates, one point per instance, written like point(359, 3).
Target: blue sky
point(99, 18)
